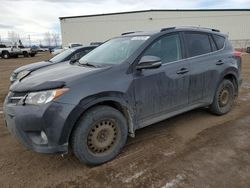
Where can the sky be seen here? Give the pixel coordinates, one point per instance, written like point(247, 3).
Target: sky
point(35, 17)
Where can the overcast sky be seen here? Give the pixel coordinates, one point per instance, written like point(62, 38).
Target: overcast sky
point(35, 17)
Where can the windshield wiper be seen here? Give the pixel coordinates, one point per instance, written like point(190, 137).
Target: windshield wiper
point(88, 64)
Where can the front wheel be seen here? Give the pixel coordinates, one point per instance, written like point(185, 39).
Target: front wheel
point(224, 98)
point(100, 135)
point(5, 55)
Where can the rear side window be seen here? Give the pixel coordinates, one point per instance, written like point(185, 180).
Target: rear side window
point(197, 43)
point(213, 45)
point(219, 40)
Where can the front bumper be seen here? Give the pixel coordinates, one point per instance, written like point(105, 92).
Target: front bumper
point(26, 122)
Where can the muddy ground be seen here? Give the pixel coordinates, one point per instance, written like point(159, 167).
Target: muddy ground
point(195, 149)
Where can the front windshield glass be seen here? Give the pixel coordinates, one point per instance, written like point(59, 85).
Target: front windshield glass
point(114, 51)
point(60, 57)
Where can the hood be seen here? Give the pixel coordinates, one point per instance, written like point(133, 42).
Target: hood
point(33, 66)
point(51, 77)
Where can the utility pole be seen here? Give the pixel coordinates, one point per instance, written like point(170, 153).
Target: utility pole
point(29, 41)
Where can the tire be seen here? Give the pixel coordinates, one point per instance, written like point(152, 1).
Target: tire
point(32, 55)
point(224, 98)
point(5, 55)
point(99, 136)
point(25, 54)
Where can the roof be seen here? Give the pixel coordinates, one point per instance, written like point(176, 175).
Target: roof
point(170, 29)
point(154, 10)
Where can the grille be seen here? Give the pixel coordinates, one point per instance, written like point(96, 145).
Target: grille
point(15, 97)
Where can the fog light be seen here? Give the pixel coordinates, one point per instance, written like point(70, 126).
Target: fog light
point(44, 138)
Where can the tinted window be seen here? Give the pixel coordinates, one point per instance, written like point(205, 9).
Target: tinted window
point(197, 44)
point(167, 48)
point(219, 41)
point(213, 45)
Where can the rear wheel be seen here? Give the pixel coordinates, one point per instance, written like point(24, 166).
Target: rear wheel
point(100, 135)
point(224, 98)
point(5, 55)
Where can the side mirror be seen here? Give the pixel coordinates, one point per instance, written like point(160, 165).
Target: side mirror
point(149, 62)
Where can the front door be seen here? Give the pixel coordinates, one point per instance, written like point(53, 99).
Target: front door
point(165, 89)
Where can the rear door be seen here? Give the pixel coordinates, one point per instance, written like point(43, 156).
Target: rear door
point(204, 72)
point(162, 90)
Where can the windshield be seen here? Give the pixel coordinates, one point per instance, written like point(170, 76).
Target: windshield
point(115, 51)
point(60, 57)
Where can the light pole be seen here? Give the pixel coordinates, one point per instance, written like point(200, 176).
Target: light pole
point(29, 40)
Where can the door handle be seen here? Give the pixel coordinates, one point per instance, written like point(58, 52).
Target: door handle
point(182, 71)
point(220, 62)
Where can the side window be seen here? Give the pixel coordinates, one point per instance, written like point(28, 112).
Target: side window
point(213, 45)
point(219, 41)
point(168, 48)
point(197, 43)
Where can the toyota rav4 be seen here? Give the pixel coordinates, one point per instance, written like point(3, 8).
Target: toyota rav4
point(127, 83)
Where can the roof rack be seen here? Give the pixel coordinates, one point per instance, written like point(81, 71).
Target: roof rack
point(197, 27)
point(167, 28)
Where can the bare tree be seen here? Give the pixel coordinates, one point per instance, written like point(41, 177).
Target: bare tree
point(55, 38)
point(13, 37)
point(47, 38)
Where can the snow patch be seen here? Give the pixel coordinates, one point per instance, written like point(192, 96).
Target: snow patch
point(167, 154)
point(135, 176)
point(245, 98)
point(174, 182)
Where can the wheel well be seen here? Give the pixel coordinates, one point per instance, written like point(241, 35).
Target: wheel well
point(118, 107)
point(124, 110)
point(5, 51)
point(233, 79)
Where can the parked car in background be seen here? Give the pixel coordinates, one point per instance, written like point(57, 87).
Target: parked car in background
point(26, 52)
point(43, 49)
point(57, 50)
point(72, 54)
point(96, 43)
point(9, 51)
point(14, 51)
point(125, 84)
point(72, 45)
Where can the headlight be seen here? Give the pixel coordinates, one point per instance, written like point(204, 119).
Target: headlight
point(22, 74)
point(43, 97)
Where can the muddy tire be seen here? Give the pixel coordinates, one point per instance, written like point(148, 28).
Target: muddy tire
point(99, 136)
point(224, 98)
point(5, 55)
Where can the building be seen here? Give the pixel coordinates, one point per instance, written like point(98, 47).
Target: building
point(101, 27)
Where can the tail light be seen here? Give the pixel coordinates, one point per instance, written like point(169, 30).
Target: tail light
point(237, 54)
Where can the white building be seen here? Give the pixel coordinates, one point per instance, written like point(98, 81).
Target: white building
point(100, 27)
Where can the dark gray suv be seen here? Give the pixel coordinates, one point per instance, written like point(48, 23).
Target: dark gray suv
point(127, 83)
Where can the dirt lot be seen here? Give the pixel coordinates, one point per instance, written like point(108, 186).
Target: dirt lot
point(195, 149)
